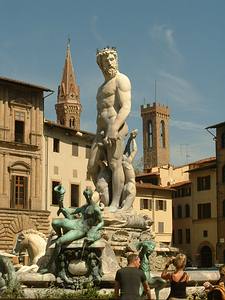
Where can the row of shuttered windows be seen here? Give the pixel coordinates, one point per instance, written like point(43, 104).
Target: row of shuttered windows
point(74, 150)
point(146, 203)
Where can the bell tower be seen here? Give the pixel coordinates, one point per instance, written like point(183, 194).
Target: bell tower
point(68, 107)
point(155, 119)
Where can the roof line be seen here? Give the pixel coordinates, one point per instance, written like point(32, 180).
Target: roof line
point(39, 87)
point(216, 125)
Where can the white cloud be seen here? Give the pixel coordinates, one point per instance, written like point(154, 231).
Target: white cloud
point(185, 125)
point(165, 35)
point(97, 35)
point(180, 91)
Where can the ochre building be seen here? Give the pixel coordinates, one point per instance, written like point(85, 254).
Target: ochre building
point(21, 160)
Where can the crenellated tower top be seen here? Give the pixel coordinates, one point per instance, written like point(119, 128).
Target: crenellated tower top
point(155, 119)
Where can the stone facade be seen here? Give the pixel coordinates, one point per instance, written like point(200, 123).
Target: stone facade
point(220, 175)
point(195, 214)
point(66, 157)
point(14, 221)
point(21, 156)
point(155, 135)
point(220, 156)
point(156, 202)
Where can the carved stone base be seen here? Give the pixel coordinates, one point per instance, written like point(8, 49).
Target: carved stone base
point(77, 265)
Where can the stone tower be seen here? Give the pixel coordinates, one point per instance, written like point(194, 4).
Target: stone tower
point(155, 135)
point(68, 107)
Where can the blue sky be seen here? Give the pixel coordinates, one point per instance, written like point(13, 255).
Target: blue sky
point(178, 43)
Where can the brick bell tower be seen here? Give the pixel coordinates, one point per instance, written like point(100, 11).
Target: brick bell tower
point(155, 135)
point(68, 107)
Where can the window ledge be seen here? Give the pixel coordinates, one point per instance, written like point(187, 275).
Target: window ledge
point(19, 146)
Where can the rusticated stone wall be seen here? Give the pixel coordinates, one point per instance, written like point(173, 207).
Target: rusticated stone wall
point(13, 221)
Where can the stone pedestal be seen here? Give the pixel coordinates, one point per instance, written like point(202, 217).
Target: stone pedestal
point(92, 261)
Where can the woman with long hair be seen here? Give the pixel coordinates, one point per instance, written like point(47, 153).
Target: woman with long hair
point(178, 278)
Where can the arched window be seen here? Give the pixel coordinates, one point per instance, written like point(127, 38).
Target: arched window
point(223, 140)
point(150, 135)
point(224, 208)
point(162, 134)
point(187, 211)
point(179, 211)
point(72, 122)
point(223, 173)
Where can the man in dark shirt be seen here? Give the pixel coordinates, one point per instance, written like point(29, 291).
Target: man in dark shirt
point(129, 279)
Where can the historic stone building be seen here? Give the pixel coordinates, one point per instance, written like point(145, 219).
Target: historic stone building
point(154, 194)
point(156, 202)
point(194, 201)
point(155, 135)
point(21, 159)
point(195, 213)
point(67, 148)
point(219, 138)
point(37, 154)
point(155, 197)
point(66, 157)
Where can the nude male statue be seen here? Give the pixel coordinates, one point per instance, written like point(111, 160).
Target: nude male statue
point(113, 108)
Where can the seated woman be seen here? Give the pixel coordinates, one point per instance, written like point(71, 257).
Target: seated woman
point(86, 225)
point(178, 279)
point(217, 291)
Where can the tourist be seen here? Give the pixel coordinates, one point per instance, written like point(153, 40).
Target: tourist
point(129, 279)
point(178, 278)
point(113, 108)
point(217, 291)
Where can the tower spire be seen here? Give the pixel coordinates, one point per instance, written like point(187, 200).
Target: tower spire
point(68, 41)
point(68, 107)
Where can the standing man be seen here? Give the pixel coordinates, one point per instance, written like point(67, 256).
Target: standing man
point(113, 108)
point(129, 279)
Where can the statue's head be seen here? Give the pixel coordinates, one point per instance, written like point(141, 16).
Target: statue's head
point(88, 194)
point(134, 133)
point(146, 247)
point(107, 59)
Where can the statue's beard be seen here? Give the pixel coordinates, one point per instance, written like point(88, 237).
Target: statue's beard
point(110, 72)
